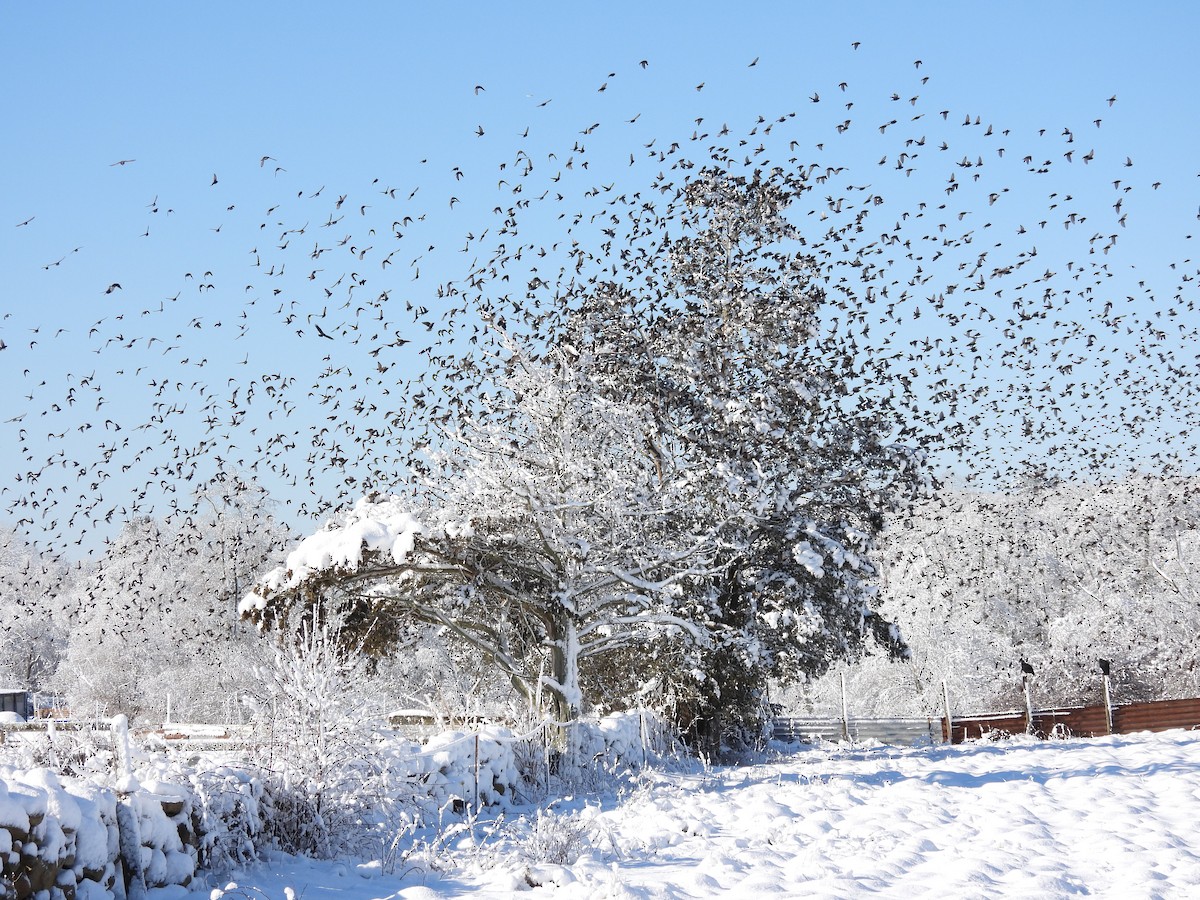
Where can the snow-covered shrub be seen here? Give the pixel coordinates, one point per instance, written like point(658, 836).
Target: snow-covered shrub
point(496, 768)
point(220, 807)
point(555, 838)
point(601, 750)
point(330, 784)
point(230, 817)
point(468, 770)
point(622, 739)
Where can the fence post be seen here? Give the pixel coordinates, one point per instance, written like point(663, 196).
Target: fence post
point(845, 710)
point(642, 734)
point(120, 733)
point(1028, 705)
point(1108, 716)
point(477, 771)
point(946, 709)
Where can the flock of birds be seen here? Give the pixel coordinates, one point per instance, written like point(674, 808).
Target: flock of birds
point(975, 272)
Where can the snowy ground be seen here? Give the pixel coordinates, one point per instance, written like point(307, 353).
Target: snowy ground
point(1116, 817)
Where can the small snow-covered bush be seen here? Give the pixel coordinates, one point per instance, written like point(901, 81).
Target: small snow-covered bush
point(222, 806)
point(229, 817)
point(331, 779)
point(556, 838)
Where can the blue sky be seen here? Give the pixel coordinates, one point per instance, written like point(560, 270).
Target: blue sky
point(357, 99)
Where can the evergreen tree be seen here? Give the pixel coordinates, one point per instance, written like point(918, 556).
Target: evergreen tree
point(746, 384)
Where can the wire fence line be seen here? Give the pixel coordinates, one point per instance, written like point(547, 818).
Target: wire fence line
point(900, 731)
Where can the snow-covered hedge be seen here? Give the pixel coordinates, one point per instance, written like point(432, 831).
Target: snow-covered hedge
point(448, 768)
point(623, 740)
point(222, 803)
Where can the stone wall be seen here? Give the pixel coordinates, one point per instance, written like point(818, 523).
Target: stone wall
point(72, 839)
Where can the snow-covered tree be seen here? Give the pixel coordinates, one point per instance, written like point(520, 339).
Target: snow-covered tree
point(1059, 573)
point(32, 624)
point(156, 618)
point(542, 536)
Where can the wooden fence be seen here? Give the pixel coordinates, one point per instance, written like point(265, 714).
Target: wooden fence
point(99, 726)
point(1081, 721)
point(1078, 721)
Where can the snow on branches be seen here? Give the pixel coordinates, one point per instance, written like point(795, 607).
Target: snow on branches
point(379, 525)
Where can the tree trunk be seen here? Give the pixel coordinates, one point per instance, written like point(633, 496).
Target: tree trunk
point(728, 710)
point(564, 670)
point(563, 681)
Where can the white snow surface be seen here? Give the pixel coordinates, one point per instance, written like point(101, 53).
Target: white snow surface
point(1115, 817)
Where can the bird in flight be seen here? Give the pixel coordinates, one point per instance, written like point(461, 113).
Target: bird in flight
point(121, 162)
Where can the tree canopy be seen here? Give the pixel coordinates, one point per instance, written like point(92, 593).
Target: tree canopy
point(684, 478)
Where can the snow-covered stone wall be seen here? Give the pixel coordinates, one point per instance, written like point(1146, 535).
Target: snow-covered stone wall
point(72, 839)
